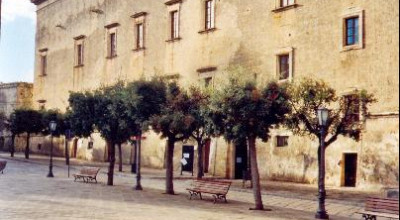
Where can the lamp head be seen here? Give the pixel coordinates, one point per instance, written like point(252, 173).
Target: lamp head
point(53, 126)
point(323, 115)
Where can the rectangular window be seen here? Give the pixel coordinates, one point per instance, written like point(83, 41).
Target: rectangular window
point(352, 104)
point(113, 45)
point(352, 31)
point(282, 141)
point(284, 66)
point(210, 15)
point(174, 25)
point(43, 65)
point(284, 3)
point(139, 36)
point(79, 55)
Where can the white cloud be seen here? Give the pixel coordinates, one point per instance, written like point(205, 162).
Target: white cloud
point(11, 9)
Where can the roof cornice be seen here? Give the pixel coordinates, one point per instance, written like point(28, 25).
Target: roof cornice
point(38, 2)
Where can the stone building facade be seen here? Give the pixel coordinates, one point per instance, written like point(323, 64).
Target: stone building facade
point(13, 96)
point(351, 44)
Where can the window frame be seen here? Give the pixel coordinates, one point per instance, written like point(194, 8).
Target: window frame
point(174, 19)
point(112, 43)
point(289, 51)
point(79, 57)
point(354, 36)
point(286, 3)
point(351, 14)
point(43, 65)
point(280, 138)
point(140, 36)
point(43, 62)
point(209, 15)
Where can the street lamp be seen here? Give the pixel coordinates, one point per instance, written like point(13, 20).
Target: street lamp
point(53, 127)
point(323, 115)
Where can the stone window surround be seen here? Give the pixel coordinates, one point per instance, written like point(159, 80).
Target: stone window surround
point(172, 6)
point(79, 40)
point(139, 18)
point(203, 29)
point(111, 29)
point(279, 8)
point(207, 73)
point(351, 13)
point(289, 51)
point(43, 55)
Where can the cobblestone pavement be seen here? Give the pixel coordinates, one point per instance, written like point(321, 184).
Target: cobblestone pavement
point(26, 193)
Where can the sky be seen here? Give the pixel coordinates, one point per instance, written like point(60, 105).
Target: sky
point(17, 43)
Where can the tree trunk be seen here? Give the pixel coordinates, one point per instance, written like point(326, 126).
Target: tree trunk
point(170, 167)
point(28, 137)
point(255, 177)
point(66, 151)
point(137, 161)
point(111, 157)
point(200, 153)
point(12, 147)
point(120, 157)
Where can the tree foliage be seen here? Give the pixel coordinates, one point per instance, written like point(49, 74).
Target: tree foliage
point(174, 123)
point(307, 95)
point(244, 112)
point(81, 113)
point(202, 126)
point(144, 99)
point(60, 119)
point(27, 121)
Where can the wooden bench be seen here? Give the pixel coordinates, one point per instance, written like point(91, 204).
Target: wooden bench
point(218, 189)
point(2, 165)
point(382, 207)
point(87, 174)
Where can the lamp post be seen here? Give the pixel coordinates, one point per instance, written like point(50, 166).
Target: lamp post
point(53, 127)
point(323, 115)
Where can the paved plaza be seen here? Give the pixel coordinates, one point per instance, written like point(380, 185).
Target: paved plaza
point(26, 193)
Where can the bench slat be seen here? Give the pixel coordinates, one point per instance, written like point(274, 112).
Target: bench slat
point(384, 207)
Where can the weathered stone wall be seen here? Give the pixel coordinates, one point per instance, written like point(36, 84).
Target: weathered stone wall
point(15, 95)
point(248, 37)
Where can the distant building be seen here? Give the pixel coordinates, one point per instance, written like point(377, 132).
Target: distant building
point(15, 95)
point(12, 96)
point(351, 44)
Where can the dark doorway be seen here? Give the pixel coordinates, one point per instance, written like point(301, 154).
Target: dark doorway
point(187, 159)
point(350, 169)
point(241, 159)
point(207, 156)
point(74, 148)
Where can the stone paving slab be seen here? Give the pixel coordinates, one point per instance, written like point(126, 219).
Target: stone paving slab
point(26, 193)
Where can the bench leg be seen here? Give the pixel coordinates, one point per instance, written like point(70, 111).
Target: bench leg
point(220, 197)
point(192, 193)
point(369, 217)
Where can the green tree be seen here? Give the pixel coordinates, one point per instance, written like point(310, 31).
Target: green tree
point(81, 113)
point(27, 121)
point(173, 123)
point(306, 97)
point(112, 121)
point(245, 112)
point(202, 126)
point(58, 117)
point(144, 99)
point(62, 126)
